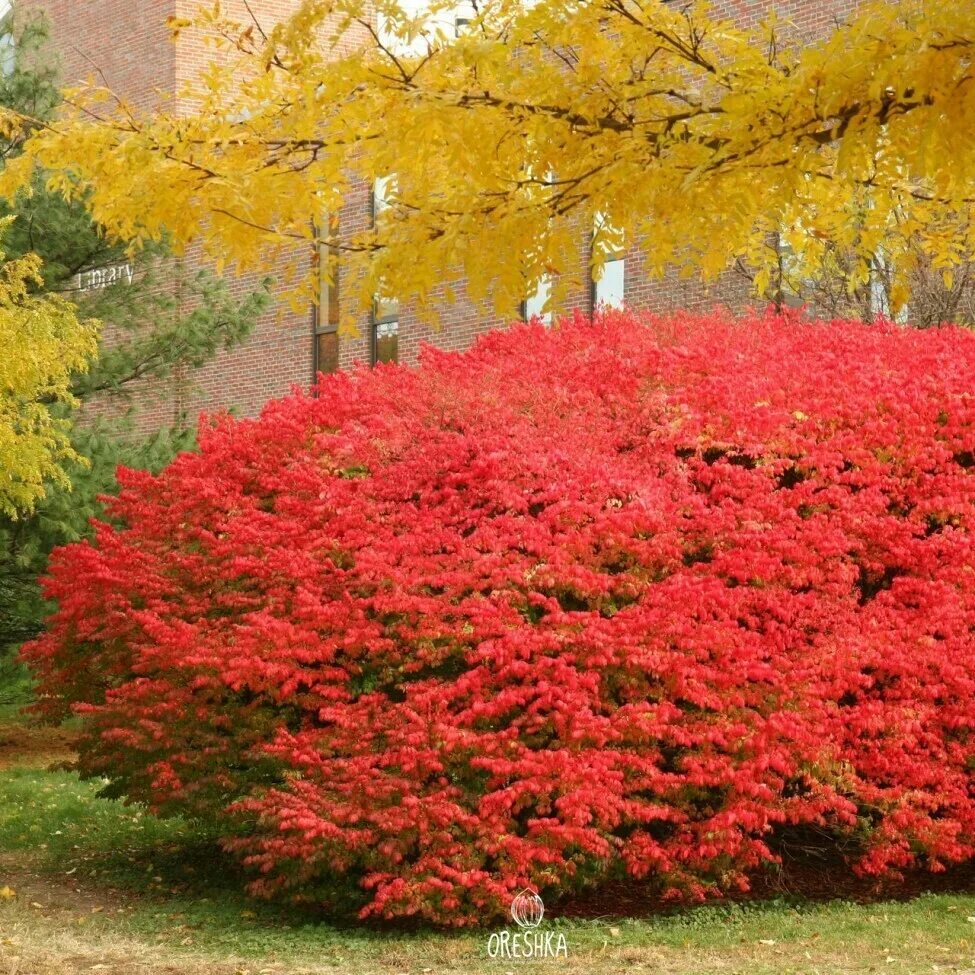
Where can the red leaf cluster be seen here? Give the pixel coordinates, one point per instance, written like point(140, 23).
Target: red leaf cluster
point(635, 595)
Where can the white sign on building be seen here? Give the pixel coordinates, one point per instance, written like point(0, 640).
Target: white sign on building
point(103, 277)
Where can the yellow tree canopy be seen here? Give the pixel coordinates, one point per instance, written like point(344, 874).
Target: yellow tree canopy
point(502, 126)
point(43, 344)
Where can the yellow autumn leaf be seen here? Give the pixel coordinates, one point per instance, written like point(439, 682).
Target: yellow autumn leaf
point(850, 146)
point(43, 345)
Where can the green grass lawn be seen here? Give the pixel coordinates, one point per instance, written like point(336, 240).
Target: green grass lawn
point(95, 886)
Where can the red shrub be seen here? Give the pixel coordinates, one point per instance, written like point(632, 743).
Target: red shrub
point(637, 595)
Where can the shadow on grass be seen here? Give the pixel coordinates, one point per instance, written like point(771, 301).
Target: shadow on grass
point(812, 872)
point(175, 868)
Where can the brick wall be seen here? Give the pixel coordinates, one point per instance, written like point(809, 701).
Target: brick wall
point(122, 43)
point(126, 45)
point(127, 42)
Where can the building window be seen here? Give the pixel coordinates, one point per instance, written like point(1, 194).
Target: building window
point(385, 343)
point(608, 288)
point(326, 352)
point(534, 305)
point(385, 310)
point(463, 14)
point(327, 310)
point(8, 49)
point(417, 29)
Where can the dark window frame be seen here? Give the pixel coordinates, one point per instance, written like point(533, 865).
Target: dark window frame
point(325, 311)
point(377, 320)
point(618, 254)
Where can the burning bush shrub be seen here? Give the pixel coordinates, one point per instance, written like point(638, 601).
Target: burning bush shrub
point(634, 596)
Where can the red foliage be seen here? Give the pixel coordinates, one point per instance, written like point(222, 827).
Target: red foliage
point(637, 595)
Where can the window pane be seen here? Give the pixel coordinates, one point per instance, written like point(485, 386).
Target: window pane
point(535, 304)
point(8, 52)
point(387, 342)
point(380, 195)
point(386, 309)
point(607, 238)
point(328, 279)
point(609, 288)
point(327, 352)
point(403, 46)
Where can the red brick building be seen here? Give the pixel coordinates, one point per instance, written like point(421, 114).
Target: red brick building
point(128, 43)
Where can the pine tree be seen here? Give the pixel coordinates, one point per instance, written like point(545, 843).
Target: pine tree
point(157, 318)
